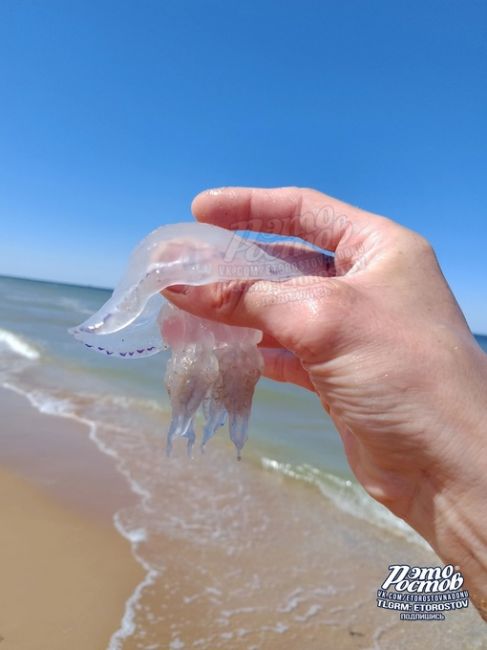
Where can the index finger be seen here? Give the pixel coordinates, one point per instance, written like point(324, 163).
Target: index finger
point(291, 211)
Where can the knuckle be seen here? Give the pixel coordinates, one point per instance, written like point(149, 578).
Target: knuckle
point(416, 241)
point(422, 244)
point(409, 242)
point(419, 247)
point(322, 333)
point(227, 297)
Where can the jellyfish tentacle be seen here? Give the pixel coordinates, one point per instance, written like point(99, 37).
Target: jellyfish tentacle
point(189, 374)
point(216, 414)
point(190, 436)
point(240, 365)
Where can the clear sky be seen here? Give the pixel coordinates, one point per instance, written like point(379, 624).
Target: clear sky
point(113, 114)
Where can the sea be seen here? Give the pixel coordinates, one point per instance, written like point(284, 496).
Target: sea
point(252, 554)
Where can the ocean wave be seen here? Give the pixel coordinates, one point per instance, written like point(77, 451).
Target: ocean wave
point(347, 496)
point(75, 305)
point(19, 345)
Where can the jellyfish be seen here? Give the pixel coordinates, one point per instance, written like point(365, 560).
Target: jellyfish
point(214, 367)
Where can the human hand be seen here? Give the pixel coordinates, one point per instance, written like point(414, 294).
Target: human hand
point(384, 345)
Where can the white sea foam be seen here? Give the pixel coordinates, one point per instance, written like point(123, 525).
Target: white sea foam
point(137, 535)
point(127, 626)
point(176, 644)
point(310, 612)
point(18, 344)
point(44, 402)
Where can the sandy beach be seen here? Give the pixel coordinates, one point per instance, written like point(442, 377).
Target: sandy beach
point(65, 572)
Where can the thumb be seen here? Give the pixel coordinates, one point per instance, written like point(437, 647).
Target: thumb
point(259, 304)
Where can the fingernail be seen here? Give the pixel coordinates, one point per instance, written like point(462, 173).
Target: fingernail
point(178, 288)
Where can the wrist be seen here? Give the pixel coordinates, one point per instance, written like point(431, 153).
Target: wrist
point(453, 523)
point(449, 507)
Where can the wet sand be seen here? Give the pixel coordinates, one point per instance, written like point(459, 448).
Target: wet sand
point(65, 572)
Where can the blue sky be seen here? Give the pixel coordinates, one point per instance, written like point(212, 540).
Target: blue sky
point(114, 114)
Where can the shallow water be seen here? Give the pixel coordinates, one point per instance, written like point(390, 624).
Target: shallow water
point(282, 550)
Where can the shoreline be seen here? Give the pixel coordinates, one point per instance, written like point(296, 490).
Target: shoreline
point(66, 572)
point(70, 578)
